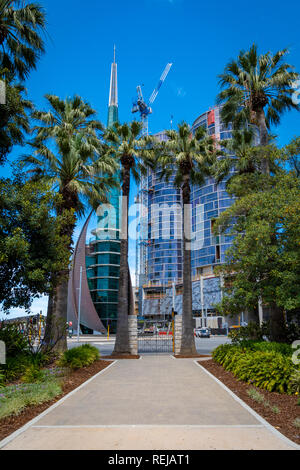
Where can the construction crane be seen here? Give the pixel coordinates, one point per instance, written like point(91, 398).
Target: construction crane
point(145, 108)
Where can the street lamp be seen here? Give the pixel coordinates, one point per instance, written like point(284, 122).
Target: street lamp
point(79, 305)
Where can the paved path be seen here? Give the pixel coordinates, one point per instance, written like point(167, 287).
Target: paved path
point(153, 403)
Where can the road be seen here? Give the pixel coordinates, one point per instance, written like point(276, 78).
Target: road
point(203, 345)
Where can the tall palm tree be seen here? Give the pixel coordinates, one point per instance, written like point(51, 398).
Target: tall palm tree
point(14, 120)
point(133, 153)
point(192, 158)
point(67, 152)
point(21, 44)
point(257, 89)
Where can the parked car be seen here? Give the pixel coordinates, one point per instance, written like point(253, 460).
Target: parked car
point(202, 332)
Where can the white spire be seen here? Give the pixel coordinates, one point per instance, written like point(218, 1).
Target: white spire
point(113, 93)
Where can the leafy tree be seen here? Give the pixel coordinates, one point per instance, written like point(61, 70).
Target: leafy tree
point(14, 121)
point(27, 265)
point(21, 44)
point(192, 158)
point(292, 156)
point(263, 262)
point(257, 89)
point(133, 154)
point(67, 154)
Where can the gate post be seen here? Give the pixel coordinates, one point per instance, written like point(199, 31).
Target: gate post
point(133, 340)
point(178, 333)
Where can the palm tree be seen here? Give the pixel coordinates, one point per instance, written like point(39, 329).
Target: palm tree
point(67, 152)
point(242, 157)
point(14, 121)
point(21, 45)
point(133, 155)
point(192, 158)
point(257, 89)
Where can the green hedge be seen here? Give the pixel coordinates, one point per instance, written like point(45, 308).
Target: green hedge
point(266, 369)
point(81, 356)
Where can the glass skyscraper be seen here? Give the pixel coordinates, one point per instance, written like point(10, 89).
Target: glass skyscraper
point(208, 250)
point(211, 199)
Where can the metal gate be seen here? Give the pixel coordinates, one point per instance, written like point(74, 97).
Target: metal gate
point(155, 336)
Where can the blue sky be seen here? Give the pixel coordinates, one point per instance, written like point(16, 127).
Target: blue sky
point(198, 37)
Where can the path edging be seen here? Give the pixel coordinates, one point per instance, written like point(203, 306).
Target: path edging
point(250, 410)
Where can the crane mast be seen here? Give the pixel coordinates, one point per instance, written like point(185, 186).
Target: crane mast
point(144, 109)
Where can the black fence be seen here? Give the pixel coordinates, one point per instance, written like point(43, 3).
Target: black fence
point(155, 337)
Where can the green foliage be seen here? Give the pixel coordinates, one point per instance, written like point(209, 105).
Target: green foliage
point(15, 366)
point(15, 341)
point(14, 398)
point(81, 356)
point(28, 268)
point(264, 260)
point(22, 25)
point(253, 331)
point(269, 370)
point(14, 120)
point(257, 84)
point(295, 382)
point(296, 422)
point(32, 374)
point(20, 355)
point(255, 395)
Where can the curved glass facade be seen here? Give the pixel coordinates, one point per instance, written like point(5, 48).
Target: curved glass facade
point(211, 199)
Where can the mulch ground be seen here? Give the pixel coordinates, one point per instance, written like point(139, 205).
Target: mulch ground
point(289, 410)
point(73, 380)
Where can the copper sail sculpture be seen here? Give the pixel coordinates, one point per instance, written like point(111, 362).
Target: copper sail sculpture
point(88, 315)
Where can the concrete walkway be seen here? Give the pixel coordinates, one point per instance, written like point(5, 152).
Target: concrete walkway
point(154, 403)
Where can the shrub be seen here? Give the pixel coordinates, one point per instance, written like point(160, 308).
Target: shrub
point(15, 367)
point(81, 356)
point(296, 422)
point(282, 348)
point(32, 374)
point(252, 332)
point(268, 370)
point(295, 382)
point(15, 342)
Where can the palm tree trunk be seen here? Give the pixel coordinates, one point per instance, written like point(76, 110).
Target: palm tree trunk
point(55, 338)
point(188, 339)
point(264, 138)
point(122, 336)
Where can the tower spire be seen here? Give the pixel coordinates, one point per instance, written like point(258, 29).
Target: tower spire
point(113, 93)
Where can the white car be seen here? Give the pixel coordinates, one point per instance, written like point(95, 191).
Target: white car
point(202, 332)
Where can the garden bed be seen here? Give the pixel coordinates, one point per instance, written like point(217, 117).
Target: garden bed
point(286, 404)
point(77, 377)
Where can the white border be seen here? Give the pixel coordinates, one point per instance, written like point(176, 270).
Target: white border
point(251, 411)
point(24, 428)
